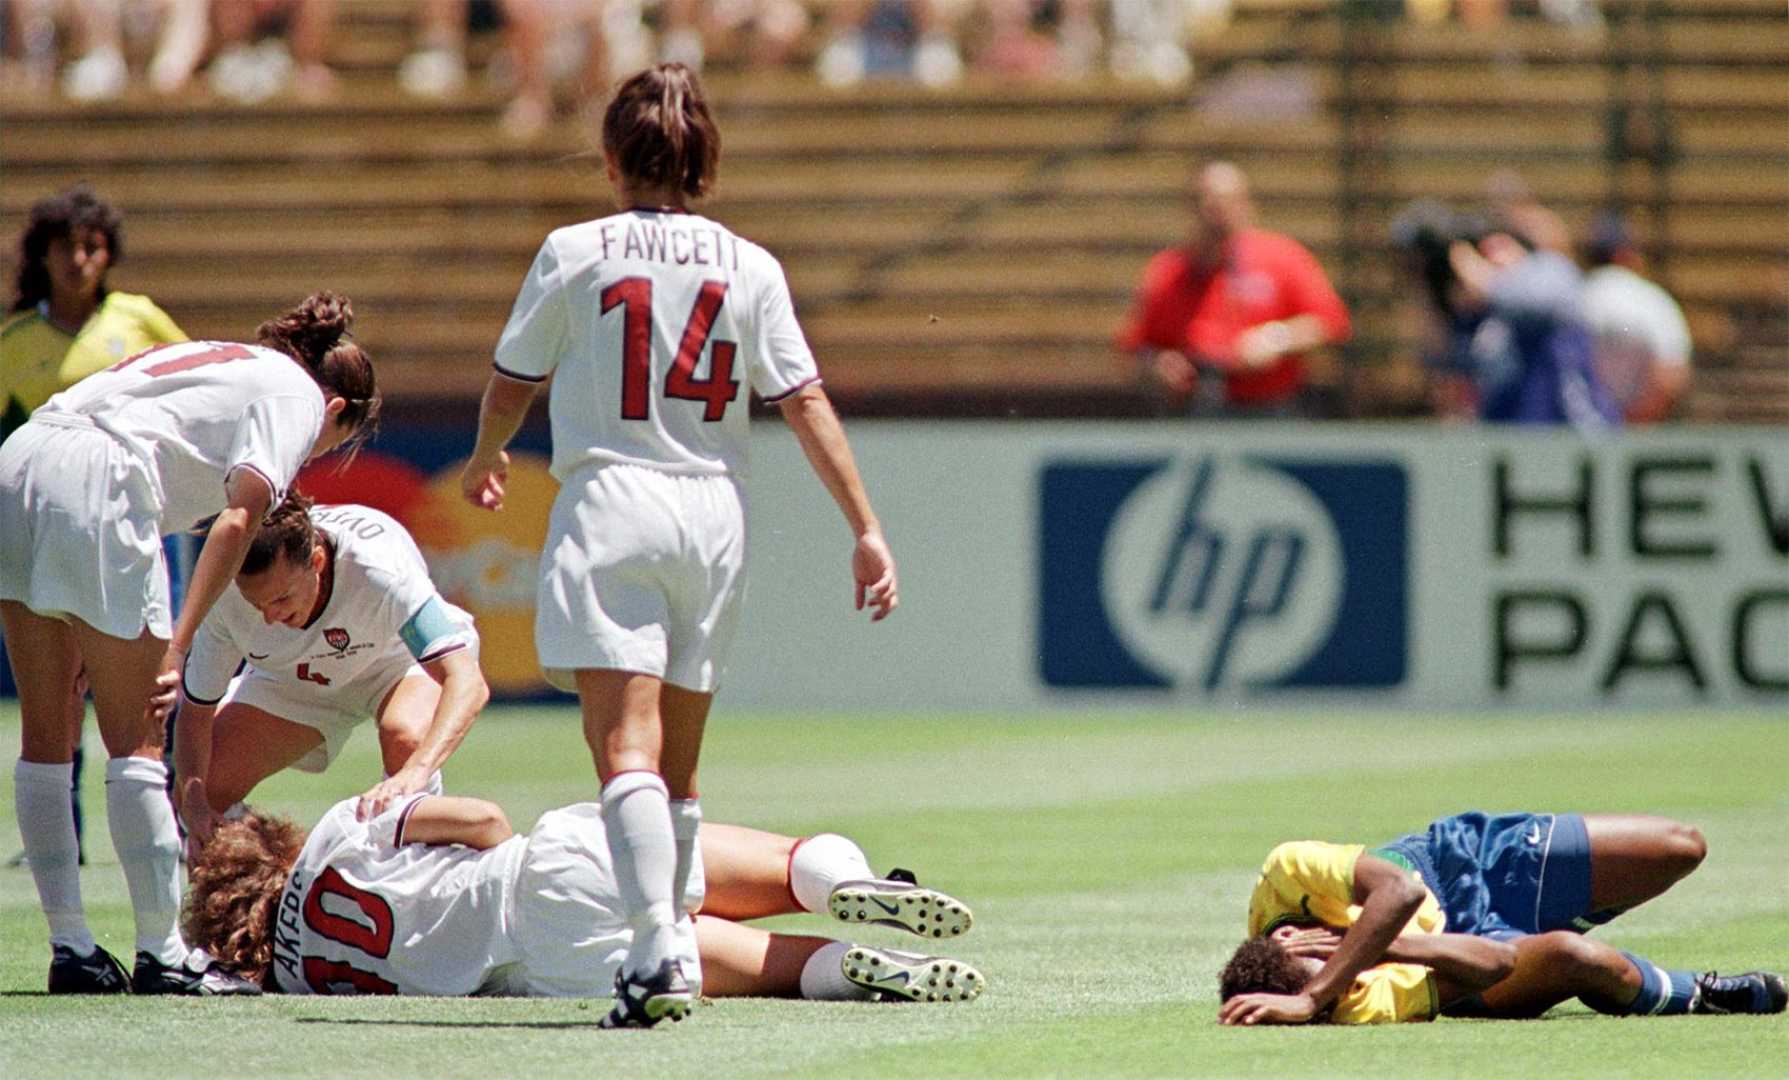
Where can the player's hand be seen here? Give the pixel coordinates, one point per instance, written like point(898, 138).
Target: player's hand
point(1319, 942)
point(406, 781)
point(483, 479)
point(1174, 372)
point(873, 567)
point(1249, 1009)
point(197, 817)
point(1261, 345)
point(167, 685)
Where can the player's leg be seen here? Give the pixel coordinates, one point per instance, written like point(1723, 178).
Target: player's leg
point(623, 728)
point(1634, 858)
point(144, 834)
point(684, 717)
point(744, 961)
point(249, 744)
point(44, 661)
point(1558, 966)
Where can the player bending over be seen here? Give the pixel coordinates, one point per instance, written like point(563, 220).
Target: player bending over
point(336, 617)
point(437, 895)
point(1478, 916)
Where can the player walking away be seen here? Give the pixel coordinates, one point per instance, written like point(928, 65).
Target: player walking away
point(441, 897)
point(1477, 916)
point(335, 616)
point(88, 486)
point(646, 320)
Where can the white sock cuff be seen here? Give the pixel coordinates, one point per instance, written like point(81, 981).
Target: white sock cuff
point(817, 866)
point(38, 772)
point(621, 785)
point(137, 770)
point(823, 976)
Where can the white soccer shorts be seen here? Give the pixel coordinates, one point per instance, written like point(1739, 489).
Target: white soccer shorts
point(332, 711)
point(643, 570)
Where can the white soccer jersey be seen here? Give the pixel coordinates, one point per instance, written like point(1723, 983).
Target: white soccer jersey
point(362, 913)
point(382, 607)
point(648, 321)
point(198, 411)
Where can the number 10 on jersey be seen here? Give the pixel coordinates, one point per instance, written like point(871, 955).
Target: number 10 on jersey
point(634, 296)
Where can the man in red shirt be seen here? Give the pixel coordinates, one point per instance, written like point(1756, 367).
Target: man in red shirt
point(1237, 300)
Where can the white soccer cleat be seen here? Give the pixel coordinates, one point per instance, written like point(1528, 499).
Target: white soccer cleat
point(900, 901)
point(892, 973)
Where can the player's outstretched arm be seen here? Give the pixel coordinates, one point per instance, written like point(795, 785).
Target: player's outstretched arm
point(456, 819)
point(463, 695)
point(500, 415)
point(192, 765)
point(1463, 963)
point(810, 415)
point(1388, 899)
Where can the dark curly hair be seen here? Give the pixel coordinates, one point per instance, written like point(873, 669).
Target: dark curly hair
point(232, 900)
point(1260, 966)
point(78, 209)
point(287, 530)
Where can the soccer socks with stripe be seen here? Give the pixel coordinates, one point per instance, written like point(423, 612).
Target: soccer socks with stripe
point(823, 976)
point(819, 863)
point(643, 849)
point(690, 884)
point(148, 846)
point(46, 824)
point(1662, 992)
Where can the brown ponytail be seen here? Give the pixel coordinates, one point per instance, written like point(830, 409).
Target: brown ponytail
point(315, 333)
point(659, 131)
point(287, 530)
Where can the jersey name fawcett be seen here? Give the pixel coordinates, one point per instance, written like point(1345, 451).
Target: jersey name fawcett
point(660, 242)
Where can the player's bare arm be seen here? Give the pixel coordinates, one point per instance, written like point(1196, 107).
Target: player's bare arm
point(226, 543)
point(500, 415)
point(1388, 898)
point(463, 695)
point(192, 764)
point(810, 415)
point(456, 819)
point(1463, 964)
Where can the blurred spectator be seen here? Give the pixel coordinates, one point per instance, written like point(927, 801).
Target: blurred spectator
point(98, 30)
point(1236, 302)
point(437, 67)
point(1517, 346)
point(254, 64)
point(64, 325)
point(1642, 341)
point(907, 38)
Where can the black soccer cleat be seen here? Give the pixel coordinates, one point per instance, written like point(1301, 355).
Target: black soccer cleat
point(1755, 992)
point(893, 974)
point(99, 973)
point(198, 976)
point(642, 1001)
point(899, 900)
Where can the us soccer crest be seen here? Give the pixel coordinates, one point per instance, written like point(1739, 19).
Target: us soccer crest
point(337, 638)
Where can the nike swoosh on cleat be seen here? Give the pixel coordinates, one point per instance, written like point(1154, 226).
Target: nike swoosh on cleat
point(901, 978)
point(892, 909)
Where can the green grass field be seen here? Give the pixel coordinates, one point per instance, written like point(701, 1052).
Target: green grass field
point(1108, 857)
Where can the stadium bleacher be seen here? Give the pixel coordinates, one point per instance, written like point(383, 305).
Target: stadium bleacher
point(972, 250)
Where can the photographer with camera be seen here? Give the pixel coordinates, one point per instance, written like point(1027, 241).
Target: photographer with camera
point(1517, 344)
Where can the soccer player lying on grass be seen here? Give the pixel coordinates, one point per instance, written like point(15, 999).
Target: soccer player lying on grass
point(336, 617)
point(438, 896)
point(1478, 916)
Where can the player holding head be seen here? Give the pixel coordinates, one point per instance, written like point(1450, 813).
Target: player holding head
point(1478, 916)
point(334, 614)
point(442, 898)
point(88, 487)
point(648, 320)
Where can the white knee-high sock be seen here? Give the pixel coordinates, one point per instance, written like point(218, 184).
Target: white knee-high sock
point(148, 846)
point(817, 866)
point(47, 825)
point(690, 884)
point(637, 819)
point(823, 976)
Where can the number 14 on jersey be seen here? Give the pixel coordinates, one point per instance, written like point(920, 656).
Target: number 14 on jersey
point(634, 296)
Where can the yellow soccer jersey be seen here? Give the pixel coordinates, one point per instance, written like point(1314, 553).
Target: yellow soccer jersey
point(1311, 881)
point(39, 359)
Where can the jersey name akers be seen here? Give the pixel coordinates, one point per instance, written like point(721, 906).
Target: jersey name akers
point(382, 608)
point(365, 913)
point(648, 323)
